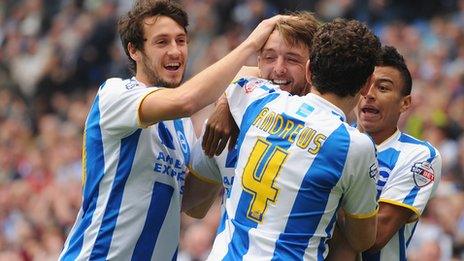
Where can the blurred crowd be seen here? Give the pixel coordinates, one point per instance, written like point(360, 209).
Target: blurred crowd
point(55, 53)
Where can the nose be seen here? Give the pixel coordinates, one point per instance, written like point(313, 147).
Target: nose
point(370, 95)
point(279, 67)
point(174, 49)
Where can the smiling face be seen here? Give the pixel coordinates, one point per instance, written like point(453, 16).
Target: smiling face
point(284, 64)
point(162, 60)
point(378, 111)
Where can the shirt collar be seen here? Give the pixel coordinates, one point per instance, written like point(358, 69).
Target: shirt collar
point(326, 105)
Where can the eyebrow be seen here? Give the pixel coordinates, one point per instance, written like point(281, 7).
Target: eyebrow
point(286, 53)
point(383, 79)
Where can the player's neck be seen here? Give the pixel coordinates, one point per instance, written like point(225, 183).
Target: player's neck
point(380, 136)
point(345, 104)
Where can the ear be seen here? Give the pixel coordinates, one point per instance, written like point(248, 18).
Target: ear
point(308, 72)
point(134, 54)
point(365, 89)
point(405, 103)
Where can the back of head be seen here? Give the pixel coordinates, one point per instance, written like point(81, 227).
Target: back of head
point(389, 56)
point(343, 56)
point(130, 26)
point(300, 30)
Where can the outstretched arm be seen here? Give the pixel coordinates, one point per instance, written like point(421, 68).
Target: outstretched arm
point(205, 87)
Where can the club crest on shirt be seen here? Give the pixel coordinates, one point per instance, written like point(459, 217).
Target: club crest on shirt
point(423, 173)
point(252, 84)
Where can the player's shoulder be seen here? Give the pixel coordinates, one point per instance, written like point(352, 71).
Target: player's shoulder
point(119, 85)
point(249, 83)
point(415, 147)
point(359, 140)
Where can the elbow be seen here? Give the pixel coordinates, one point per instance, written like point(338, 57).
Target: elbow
point(378, 245)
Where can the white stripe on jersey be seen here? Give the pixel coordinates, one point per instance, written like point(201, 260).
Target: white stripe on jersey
point(133, 180)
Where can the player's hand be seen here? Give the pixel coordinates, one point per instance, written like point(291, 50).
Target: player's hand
point(219, 129)
point(259, 36)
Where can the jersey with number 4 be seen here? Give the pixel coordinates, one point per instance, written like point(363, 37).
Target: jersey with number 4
point(298, 163)
point(409, 173)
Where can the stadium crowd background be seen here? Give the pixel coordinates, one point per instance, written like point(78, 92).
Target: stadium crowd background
point(55, 53)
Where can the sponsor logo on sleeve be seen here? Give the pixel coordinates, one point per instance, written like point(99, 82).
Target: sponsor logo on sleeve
point(374, 172)
point(423, 173)
point(252, 84)
point(131, 84)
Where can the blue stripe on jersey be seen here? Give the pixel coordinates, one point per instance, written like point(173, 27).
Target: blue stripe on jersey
point(222, 225)
point(95, 164)
point(126, 158)
point(409, 199)
point(412, 233)
point(231, 159)
point(174, 257)
point(401, 242)
point(408, 139)
point(311, 200)
point(179, 126)
point(165, 136)
point(159, 205)
point(387, 159)
point(328, 231)
point(239, 243)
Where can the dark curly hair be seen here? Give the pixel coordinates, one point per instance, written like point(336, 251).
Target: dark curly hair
point(130, 26)
point(343, 56)
point(389, 56)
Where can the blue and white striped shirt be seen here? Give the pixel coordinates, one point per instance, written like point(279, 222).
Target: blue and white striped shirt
point(133, 178)
point(298, 162)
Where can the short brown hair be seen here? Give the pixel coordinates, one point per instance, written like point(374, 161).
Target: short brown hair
point(130, 26)
point(299, 30)
point(343, 56)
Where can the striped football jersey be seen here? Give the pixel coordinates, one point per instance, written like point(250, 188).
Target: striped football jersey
point(409, 173)
point(133, 179)
point(298, 163)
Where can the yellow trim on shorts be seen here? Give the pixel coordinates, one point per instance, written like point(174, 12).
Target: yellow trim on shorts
point(400, 204)
point(363, 216)
point(139, 123)
point(204, 179)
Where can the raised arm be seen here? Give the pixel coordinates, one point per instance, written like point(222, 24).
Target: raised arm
point(205, 87)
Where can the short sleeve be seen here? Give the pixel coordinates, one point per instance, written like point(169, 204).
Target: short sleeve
point(119, 103)
point(359, 179)
point(204, 167)
point(412, 183)
point(244, 91)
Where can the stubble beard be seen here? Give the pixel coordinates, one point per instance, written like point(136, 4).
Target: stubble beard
point(154, 78)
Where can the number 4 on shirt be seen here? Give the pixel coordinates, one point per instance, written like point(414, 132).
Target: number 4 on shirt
point(258, 178)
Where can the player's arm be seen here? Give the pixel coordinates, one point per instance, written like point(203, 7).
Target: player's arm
point(360, 232)
point(358, 222)
point(202, 184)
point(390, 219)
point(199, 195)
point(339, 248)
point(205, 87)
point(221, 127)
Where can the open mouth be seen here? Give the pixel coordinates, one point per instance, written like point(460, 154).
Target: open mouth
point(281, 82)
point(172, 66)
point(370, 110)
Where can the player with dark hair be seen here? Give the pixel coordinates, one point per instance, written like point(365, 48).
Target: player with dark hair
point(136, 142)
